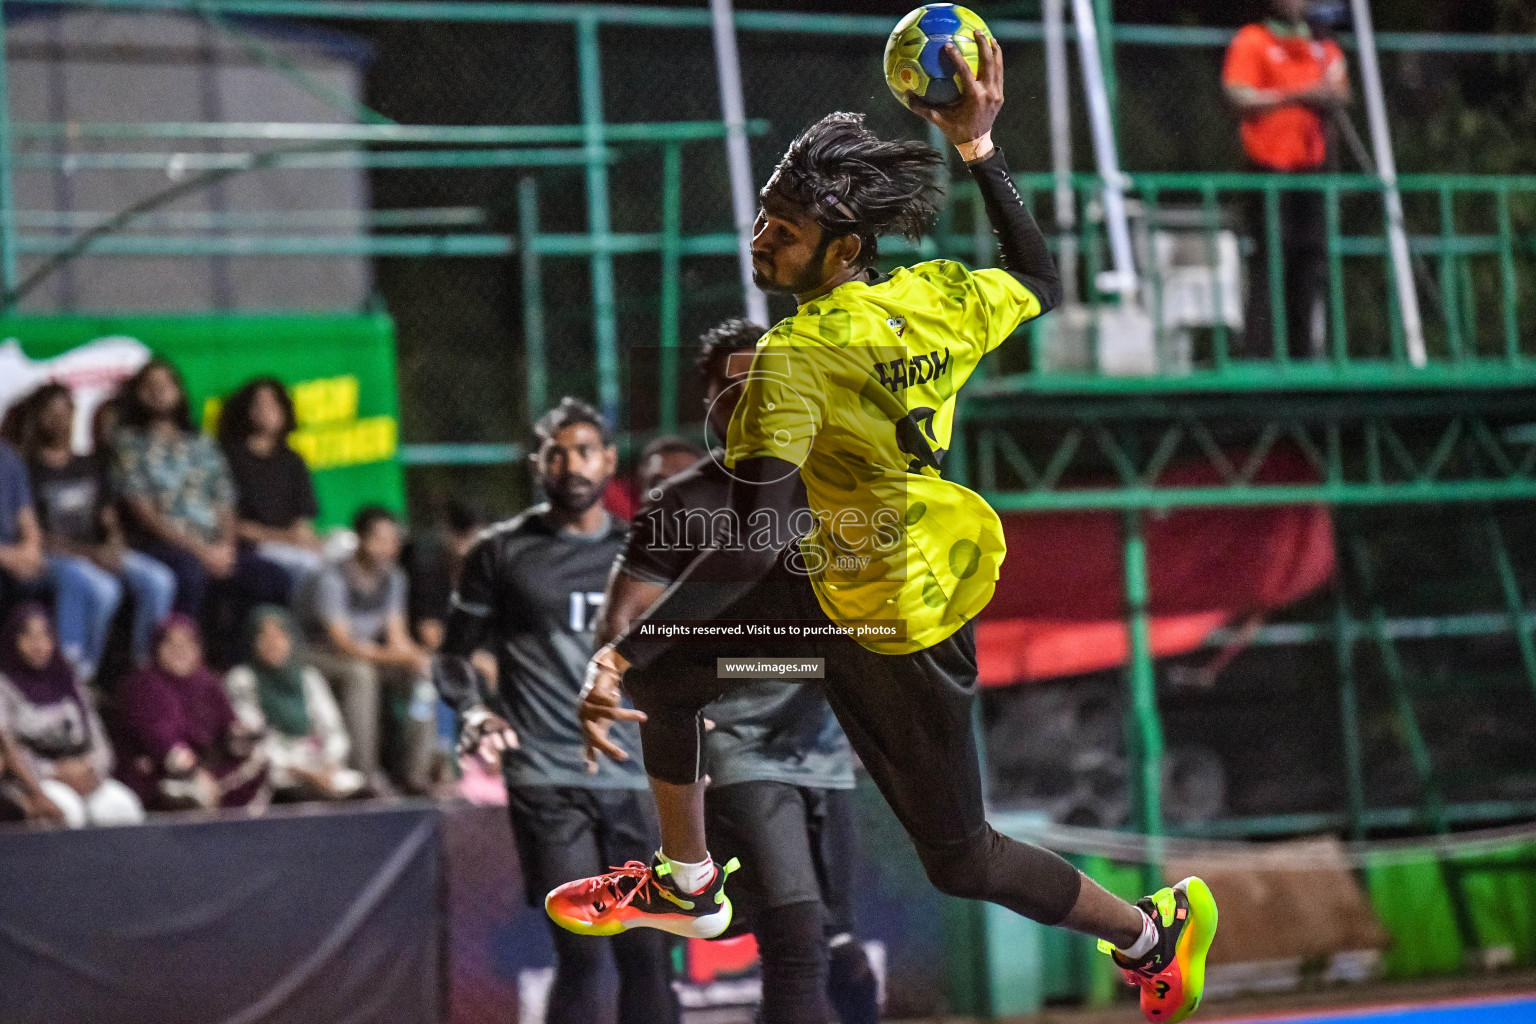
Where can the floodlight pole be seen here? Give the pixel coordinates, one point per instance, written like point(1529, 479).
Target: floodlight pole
point(1123, 278)
point(733, 108)
point(1059, 90)
point(1386, 167)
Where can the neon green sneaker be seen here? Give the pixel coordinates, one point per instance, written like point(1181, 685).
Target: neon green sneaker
point(642, 896)
point(1172, 976)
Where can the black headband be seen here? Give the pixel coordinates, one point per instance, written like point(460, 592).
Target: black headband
point(821, 202)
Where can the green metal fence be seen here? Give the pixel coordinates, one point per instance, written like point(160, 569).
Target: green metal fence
point(1375, 430)
point(1475, 237)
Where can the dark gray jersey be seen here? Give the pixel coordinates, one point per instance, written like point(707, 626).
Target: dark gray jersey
point(537, 591)
point(764, 731)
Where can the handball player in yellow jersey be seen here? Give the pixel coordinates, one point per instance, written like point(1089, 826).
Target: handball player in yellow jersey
point(854, 397)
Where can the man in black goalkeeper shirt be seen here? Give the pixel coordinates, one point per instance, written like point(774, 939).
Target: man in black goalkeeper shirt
point(780, 769)
point(529, 591)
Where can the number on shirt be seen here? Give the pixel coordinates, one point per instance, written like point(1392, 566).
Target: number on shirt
point(584, 606)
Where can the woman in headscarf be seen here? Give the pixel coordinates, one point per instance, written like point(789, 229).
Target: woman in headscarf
point(183, 747)
point(20, 797)
point(276, 695)
point(51, 716)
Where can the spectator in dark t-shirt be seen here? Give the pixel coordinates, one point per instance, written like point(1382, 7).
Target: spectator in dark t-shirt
point(275, 506)
point(88, 561)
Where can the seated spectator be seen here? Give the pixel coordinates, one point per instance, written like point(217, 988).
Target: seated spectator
point(22, 566)
point(104, 423)
point(354, 617)
point(182, 746)
point(48, 711)
point(432, 563)
point(275, 505)
point(179, 500)
point(276, 695)
point(21, 798)
point(88, 561)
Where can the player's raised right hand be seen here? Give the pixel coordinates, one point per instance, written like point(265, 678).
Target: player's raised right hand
point(602, 704)
point(981, 94)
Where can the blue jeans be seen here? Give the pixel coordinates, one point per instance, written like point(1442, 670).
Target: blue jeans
point(87, 596)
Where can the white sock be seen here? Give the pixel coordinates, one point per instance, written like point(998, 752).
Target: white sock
point(690, 878)
point(1142, 946)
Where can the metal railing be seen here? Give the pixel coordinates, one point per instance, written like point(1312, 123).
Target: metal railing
point(1470, 251)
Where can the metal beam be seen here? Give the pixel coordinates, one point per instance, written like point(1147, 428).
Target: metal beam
point(1386, 165)
point(733, 110)
point(671, 282)
point(537, 371)
point(1156, 498)
point(1145, 734)
point(261, 220)
point(1395, 818)
point(748, 21)
point(403, 134)
point(1101, 120)
point(1059, 94)
point(605, 327)
point(178, 165)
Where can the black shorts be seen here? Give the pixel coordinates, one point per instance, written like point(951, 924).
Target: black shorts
point(907, 716)
point(564, 833)
point(795, 844)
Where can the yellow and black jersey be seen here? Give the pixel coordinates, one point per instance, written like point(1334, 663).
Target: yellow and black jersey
point(858, 389)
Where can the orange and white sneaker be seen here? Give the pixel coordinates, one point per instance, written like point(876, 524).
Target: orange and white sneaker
point(642, 896)
point(1172, 976)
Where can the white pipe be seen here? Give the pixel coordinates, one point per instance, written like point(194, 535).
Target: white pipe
point(1123, 279)
point(1386, 167)
point(734, 109)
point(1059, 89)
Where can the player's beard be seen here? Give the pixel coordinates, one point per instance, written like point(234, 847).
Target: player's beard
point(807, 279)
point(574, 494)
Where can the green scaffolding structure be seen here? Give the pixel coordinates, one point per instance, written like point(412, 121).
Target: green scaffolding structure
point(1375, 429)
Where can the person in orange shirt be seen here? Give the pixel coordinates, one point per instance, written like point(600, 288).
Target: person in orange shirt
point(1285, 82)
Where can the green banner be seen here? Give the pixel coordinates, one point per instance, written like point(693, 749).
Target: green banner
point(340, 371)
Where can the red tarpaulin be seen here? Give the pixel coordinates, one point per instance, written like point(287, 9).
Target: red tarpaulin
point(1060, 605)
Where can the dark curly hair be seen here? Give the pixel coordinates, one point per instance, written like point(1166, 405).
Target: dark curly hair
point(19, 426)
point(135, 415)
point(853, 182)
point(235, 426)
point(569, 413)
point(734, 335)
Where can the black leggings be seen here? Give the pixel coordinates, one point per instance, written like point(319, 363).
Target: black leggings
point(584, 993)
point(564, 833)
point(908, 718)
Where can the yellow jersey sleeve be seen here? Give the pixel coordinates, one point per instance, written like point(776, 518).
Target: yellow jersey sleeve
point(783, 405)
point(982, 306)
point(1004, 304)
